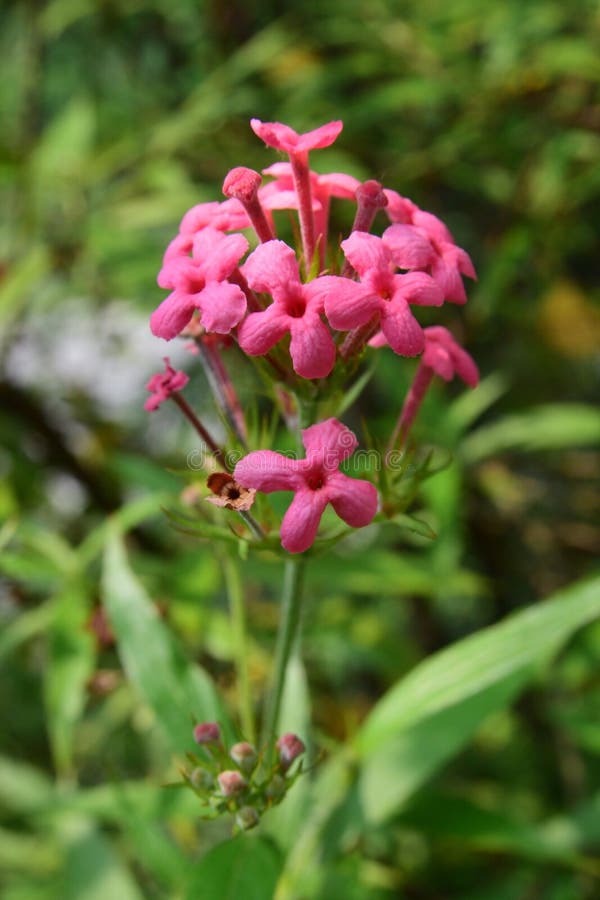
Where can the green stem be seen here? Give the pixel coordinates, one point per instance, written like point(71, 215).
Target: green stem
point(238, 626)
point(291, 604)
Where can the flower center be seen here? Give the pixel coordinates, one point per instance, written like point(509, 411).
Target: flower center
point(315, 482)
point(295, 306)
point(195, 284)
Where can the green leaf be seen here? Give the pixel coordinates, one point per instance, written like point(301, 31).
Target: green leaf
point(176, 690)
point(436, 709)
point(70, 663)
point(245, 867)
point(549, 427)
point(93, 871)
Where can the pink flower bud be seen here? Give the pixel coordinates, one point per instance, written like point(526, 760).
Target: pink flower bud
point(242, 183)
point(207, 733)
point(290, 747)
point(231, 782)
point(244, 755)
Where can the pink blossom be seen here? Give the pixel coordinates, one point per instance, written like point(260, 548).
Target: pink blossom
point(163, 384)
point(447, 358)
point(229, 215)
point(315, 480)
point(207, 733)
point(199, 282)
point(385, 294)
point(284, 138)
point(296, 308)
point(420, 240)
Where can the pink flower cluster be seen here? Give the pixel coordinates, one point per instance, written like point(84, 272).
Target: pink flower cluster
point(263, 298)
point(306, 318)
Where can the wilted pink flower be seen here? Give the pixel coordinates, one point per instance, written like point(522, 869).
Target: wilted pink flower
point(290, 748)
point(296, 309)
point(163, 384)
point(207, 733)
point(316, 481)
point(447, 358)
point(200, 283)
point(284, 138)
point(384, 293)
point(231, 782)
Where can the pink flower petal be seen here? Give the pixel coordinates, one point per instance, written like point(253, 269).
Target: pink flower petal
point(449, 280)
point(301, 521)
point(268, 471)
point(338, 184)
point(262, 330)
point(437, 357)
point(229, 215)
point(378, 340)
point(328, 443)
point(311, 347)
point(347, 303)
point(409, 248)
point(320, 137)
point(276, 135)
point(172, 315)
point(465, 367)
point(222, 304)
point(366, 252)
point(272, 268)
point(341, 295)
point(399, 209)
point(433, 227)
point(419, 289)
point(353, 499)
point(217, 254)
point(284, 138)
point(401, 329)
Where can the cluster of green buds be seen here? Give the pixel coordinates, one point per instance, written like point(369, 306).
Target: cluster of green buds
point(239, 780)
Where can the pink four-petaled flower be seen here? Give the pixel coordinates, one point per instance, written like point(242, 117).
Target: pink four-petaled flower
point(296, 308)
point(284, 138)
point(384, 293)
point(200, 282)
point(315, 480)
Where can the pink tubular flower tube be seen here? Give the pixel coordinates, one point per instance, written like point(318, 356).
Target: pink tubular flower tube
point(200, 282)
point(384, 293)
point(442, 356)
point(315, 480)
point(296, 309)
point(163, 384)
point(297, 146)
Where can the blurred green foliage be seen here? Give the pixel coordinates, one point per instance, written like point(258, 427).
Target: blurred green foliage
point(116, 118)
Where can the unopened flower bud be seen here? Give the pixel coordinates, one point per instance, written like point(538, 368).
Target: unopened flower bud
point(201, 779)
point(231, 782)
point(207, 733)
point(242, 183)
point(244, 755)
point(290, 747)
point(246, 818)
point(276, 787)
